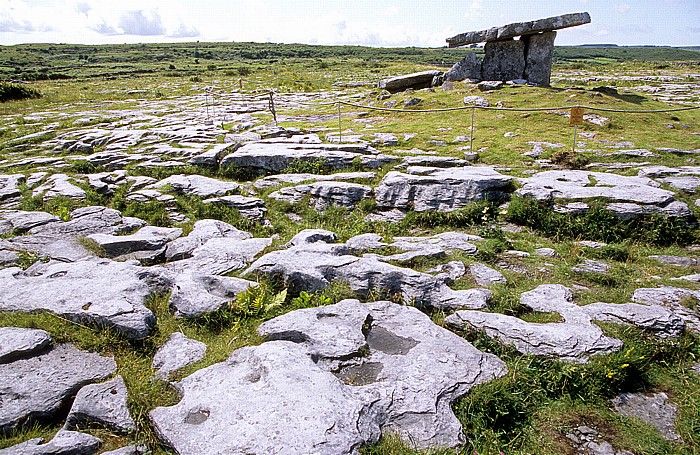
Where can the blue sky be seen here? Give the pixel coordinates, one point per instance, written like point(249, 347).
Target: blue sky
point(365, 22)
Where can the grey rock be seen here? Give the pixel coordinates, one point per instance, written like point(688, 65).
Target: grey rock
point(35, 389)
point(19, 222)
point(101, 292)
point(474, 100)
point(444, 190)
point(308, 236)
point(266, 399)
point(324, 195)
point(385, 139)
point(272, 158)
point(538, 61)
point(196, 185)
point(145, 239)
point(546, 252)
point(129, 450)
point(312, 267)
point(520, 28)
point(591, 244)
point(446, 241)
point(467, 68)
point(433, 161)
point(107, 182)
point(203, 230)
point(449, 272)
point(220, 255)
point(486, 86)
point(194, 294)
point(16, 343)
point(654, 409)
point(105, 404)
point(574, 340)
point(386, 216)
point(248, 207)
point(59, 185)
point(178, 352)
point(410, 102)
point(417, 368)
point(679, 261)
point(486, 276)
point(212, 156)
point(9, 186)
point(595, 267)
point(280, 179)
point(88, 220)
point(672, 298)
point(63, 443)
point(652, 318)
point(688, 184)
point(364, 242)
point(415, 81)
point(9, 258)
point(503, 60)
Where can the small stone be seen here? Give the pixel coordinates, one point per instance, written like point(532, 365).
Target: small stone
point(486, 276)
point(679, 261)
point(654, 409)
point(546, 252)
point(104, 403)
point(595, 267)
point(412, 102)
point(63, 443)
point(16, 343)
point(476, 101)
point(178, 352)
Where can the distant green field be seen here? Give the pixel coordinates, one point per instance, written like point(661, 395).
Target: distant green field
point(68, 61)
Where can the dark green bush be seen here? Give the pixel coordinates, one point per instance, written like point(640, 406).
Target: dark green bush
point(16, 92)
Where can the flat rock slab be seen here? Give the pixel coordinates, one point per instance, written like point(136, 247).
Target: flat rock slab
point(178, 352)
point(594, 267)
point(59, 185)
point(248, 207)
point(88, 220)
point(194, 295)
point(105, 404)
point(202, 231)
point(16, 343)
point(196, 185)
point(418, 80)
point(520, 28)
point(281, 179)
point(272, 158)
point(313, 267)
point(417, 368)
point(145, 239)
point(9, 186)
point(35, 389)
point(679, 300)
point(485, 275)
point(654, 409)
point(266, 399)
point(101, 292)
point(19, 222)
point(445, 190)
point(678, 261)
point(219, 256)
point(324, 195)
point(63, 443)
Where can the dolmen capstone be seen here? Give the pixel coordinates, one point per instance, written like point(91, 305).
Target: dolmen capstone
point(529, 58)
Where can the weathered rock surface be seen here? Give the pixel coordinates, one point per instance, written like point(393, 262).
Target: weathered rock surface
point(280, 179)
point(433, 161)
point(324, 195)
point(178, 352)
point(266, 399)
point(587, 441)
point(101, 292)
point(415, 81)
point(88, 220)
point(520, 28)
point(652, 318)
point(467, 68)
point(503, 60)
point(417, 368)
point(16, 343)
point(248, 207)
point(63, 443)
point(272, 158)
point(312, 267)
point(679, 261)
point(9, 186)
point(35, 389)
point(486, 276)
point(538, 59)
point(594, 267)
point(145, 239)
point(196, 185)
point(59, 185)
point(203, 230)
point(220, 255)
point(444, 190)
point(309, 236)
point(105, 404)
point(674, 299)
point(654, 409)
point(129, 450)
point(195, 294)
point(19, 222)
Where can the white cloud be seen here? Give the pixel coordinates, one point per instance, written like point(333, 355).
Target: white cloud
point(622, 8)
point(141, 23)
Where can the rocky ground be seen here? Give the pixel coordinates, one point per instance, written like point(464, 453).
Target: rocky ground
point(358, 291)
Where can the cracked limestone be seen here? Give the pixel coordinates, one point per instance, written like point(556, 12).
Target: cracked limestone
point(17, 343)
point(104, 403)
point(178, 352)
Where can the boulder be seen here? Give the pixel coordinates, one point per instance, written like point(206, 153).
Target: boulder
point(17, 343)
point(503, 60)
point(178, 352)
point(444, 190)
point(195, 294)
point(678, 300)
point(88, 220)
point(63, 443)
point(59, 185)
point(416, 367)
point(203, 230)
point(19, 222)
point(655, 319)
point(196, 185)
point(414, 81)
point(486, 276)
point(308, 236)
point(266, 399)
point(97, 291)
point(219, 256)
point(324, 195)
point(467, 68)
point(37, 388)
point(104, 404)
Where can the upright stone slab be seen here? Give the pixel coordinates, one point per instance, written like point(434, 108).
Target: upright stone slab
point(538, 59)
point(503, 60)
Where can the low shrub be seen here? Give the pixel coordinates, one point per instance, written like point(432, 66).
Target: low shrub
point(16, 92)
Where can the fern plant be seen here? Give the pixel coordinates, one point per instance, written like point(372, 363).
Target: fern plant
point(258, 301)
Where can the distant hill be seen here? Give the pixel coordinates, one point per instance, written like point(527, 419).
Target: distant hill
point(599, 45)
